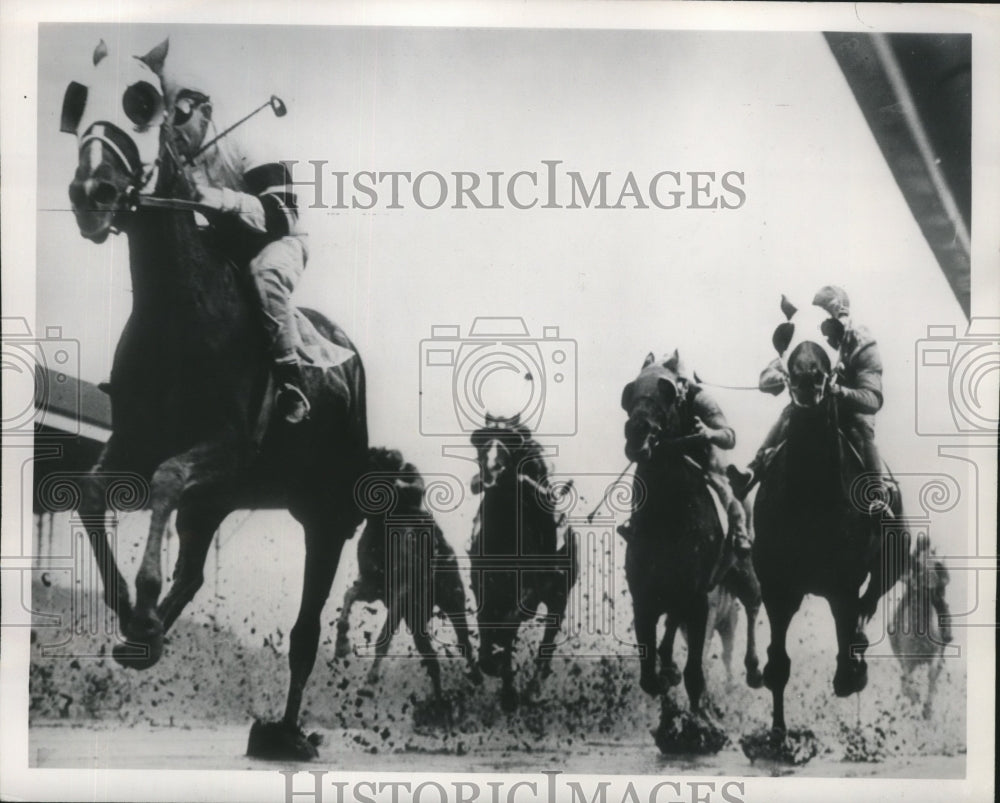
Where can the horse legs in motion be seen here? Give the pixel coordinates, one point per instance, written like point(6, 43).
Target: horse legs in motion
point(780, 607)
point(738, 584)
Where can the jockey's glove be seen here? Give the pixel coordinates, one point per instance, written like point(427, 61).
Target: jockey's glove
point(246, 207)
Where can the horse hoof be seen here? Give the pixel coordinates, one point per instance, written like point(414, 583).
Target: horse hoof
point(143, 646)
point(795, 747)
point(651, 684)
point(670, 675)
point(684, 732)
point(851, 677)
point(276, 741)
point(475, 676)
point(342, 649)
point(755, 679)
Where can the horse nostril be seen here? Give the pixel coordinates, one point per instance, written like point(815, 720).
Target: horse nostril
point(105, 194)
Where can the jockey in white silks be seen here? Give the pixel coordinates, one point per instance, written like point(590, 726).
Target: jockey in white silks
point(259, 195)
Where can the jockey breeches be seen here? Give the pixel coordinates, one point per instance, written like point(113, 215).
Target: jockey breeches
point(276, 271)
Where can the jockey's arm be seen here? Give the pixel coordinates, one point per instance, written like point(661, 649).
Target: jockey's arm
point(864, 394)
point(267, 207)
point(713, 423)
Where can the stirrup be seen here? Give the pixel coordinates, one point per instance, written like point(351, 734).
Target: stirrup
point(292, 403)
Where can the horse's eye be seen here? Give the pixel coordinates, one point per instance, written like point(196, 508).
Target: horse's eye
point(74, 102)
point(142, 103)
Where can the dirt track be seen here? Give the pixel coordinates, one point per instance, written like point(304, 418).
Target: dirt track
point(207, 747)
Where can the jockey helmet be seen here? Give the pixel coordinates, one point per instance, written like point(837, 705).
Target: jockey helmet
point(834, 300)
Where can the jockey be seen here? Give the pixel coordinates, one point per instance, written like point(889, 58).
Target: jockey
point(702, 416)
point(259, 198)
point(857, 385)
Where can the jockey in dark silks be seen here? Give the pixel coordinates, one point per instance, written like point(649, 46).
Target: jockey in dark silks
point(258, 207)
point(858, 389)
point(701, 415)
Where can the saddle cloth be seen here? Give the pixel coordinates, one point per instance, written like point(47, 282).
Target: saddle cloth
point(314, 350)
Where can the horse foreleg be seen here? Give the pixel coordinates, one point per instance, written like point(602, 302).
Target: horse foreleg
point(725, 626)
point(852, 671)
point(425, 646)
point(393, 617)
point(697, 633)
point(554, 615)
point(645, 636)
point(508, 636)
point(933, 673)
point(780, 610)
point(93, 517)
point(669, 673)
point(460, 622)
point(343, 646)
point(322, 556)
point(747, 590)
point(199, 467)
point(195, 529)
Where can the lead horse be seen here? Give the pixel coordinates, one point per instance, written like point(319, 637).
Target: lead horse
point(190, 388)
point(816, 533)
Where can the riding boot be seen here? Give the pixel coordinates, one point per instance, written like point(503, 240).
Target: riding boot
point(743, 480)
point(293, 406)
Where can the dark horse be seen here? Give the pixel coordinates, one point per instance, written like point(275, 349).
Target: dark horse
point(677, 538)
point(516, 562)
point(815, 534)
point(189, 390)
point(405, 562)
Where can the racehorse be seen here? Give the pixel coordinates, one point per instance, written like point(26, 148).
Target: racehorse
point(516, 563)
point(815, 532)
point(916, 632)
point(678, 539)
point(191, 391)
point(405, 562)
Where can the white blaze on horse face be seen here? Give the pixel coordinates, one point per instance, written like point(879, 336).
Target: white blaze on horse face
point(94, 155)
point(493, 465)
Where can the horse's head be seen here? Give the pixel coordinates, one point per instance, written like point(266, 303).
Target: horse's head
point(498, 445)
point(407, 483)
point(119, 134)
point(809, 374)
point(652, 403)
point(807, 361)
